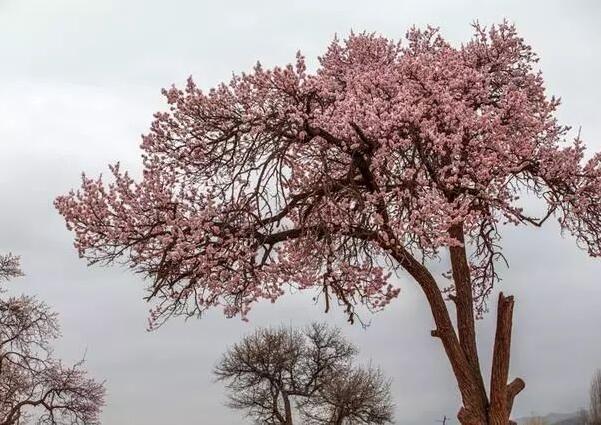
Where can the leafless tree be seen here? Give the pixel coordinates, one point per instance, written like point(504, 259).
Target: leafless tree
point(9, 267)
point(274, 373)
point(34, 386)
point(595, 400)
point(351, 396)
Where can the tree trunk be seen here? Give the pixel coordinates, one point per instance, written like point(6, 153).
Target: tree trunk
point(477, 403)
point(479, 408)
point(502, 394)
point(467, 380)
point(287, 408)
point(460, 346)
point(501, 398)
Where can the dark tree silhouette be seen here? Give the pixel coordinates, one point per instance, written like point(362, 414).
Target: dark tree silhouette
point(34, 386)
point(350, 396)
point(273, 373)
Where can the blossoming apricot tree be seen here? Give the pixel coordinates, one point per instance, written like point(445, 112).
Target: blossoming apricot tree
point(386, 155)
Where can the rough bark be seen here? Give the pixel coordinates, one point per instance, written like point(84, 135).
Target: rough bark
point(499, 413)
point(467, 380)
point(460, 345)
point(464, 304)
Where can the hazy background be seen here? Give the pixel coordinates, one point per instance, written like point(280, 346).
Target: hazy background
point(79, 82)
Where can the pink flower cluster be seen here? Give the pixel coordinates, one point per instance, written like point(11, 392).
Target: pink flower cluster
point(284, 177)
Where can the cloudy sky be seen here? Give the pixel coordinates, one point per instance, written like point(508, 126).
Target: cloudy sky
point(79, 82)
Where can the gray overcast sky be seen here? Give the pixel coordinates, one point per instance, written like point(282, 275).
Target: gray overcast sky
point(79, 81)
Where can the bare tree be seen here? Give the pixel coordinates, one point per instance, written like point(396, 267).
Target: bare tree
point(351, 396)
point(274, 373)
point(34, 386)
point(9, 267)
point(595, 400)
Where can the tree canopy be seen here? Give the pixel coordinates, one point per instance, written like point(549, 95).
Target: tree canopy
point(278, 374)
point(384, 156)
point(284, 177)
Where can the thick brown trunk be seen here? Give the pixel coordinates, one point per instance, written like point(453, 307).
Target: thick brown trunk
point(460, 345)
point(463, 298)
point(466, 324)
point(502, 394)
point(467, 378)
